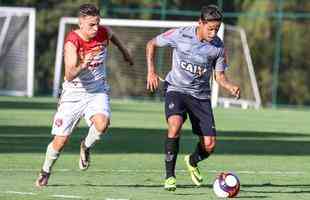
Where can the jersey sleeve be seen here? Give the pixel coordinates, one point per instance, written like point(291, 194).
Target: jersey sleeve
point(109, 32)
point(168, 38)
point(221, 61)
point(105, 33)
point(71, 37)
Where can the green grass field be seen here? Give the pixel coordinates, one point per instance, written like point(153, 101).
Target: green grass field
point(268, 149)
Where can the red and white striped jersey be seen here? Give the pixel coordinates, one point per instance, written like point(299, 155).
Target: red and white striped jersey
point(94, 77)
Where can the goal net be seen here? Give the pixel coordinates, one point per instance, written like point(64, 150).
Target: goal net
point(17, 44)
point(240, 71)
point(130, 81)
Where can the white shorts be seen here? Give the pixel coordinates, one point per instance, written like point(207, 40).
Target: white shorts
point(73, 106)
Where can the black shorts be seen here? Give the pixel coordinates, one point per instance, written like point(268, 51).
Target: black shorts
point(199, 112)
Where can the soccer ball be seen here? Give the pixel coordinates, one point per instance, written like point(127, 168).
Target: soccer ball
point(226, 185)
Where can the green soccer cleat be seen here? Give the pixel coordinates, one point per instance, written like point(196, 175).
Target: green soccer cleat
point(194, 172)
point(170, 184)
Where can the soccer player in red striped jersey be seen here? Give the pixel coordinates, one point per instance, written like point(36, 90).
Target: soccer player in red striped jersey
point(85, 90)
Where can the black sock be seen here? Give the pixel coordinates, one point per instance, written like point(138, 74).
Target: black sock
point(199, 155)
point(171, 152)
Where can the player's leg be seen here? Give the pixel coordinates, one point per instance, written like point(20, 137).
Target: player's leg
point(100, 124)
point(204, 149)
point(65, 119)
point(53, 150)
point(172, 149)
point(97, 115)
point(203, 125)
point(52, 153)
point(175, 115)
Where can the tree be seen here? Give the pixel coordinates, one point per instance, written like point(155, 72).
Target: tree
point(47, 18)
point(294, 87)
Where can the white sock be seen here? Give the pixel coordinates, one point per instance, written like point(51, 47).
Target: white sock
point(50, 158)
point(92, 136)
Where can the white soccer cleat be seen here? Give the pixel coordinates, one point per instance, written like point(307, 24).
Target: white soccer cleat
point(84, 156)
point(42, 180)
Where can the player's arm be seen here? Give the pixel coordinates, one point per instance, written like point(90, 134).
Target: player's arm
point(220, 76)
point(223, 81)
point(167, 38)
point(117, 42)
point(152, 77)
point(73, 65)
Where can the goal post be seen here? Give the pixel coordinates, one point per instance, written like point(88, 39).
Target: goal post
point(129, 81)
point(17, 51)
point(240, 68)
point(66, 21)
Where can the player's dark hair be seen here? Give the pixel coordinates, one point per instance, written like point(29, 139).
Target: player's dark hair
point(88, 10)
point(211, 13)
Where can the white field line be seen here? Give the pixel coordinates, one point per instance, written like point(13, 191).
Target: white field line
point(56, 195)
point(32, 193)
point(24, 135)
point(67, 196)
point(21, 193)
point(114, 199)
point(160, 171)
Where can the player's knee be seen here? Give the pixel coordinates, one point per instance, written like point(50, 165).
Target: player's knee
point(210, 149)
point(59, 142)
point(174, 126)
point(209, 146)
point(173, 131)
point(101, 124)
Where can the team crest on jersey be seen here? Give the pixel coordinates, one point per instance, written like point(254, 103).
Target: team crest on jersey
point(58, 122)
point(210, 61)
point(193, 68)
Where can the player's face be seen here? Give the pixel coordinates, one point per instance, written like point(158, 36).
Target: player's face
point(89, 25)
point(208, 29)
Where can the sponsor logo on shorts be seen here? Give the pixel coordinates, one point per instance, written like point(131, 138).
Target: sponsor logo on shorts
point(58, 122)
point(171, 105)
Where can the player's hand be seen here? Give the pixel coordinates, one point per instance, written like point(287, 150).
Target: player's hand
point(235, 91)
point(128, 58)
point(152, 81)
point(87, 59)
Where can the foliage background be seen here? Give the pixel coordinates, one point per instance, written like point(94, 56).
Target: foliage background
point(259, 18)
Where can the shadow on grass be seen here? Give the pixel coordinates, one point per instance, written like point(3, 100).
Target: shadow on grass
point(245, 188)
point(28, 104)
point(50, 105)
point(278, 188)
point(179, 191)
point(135, 140)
